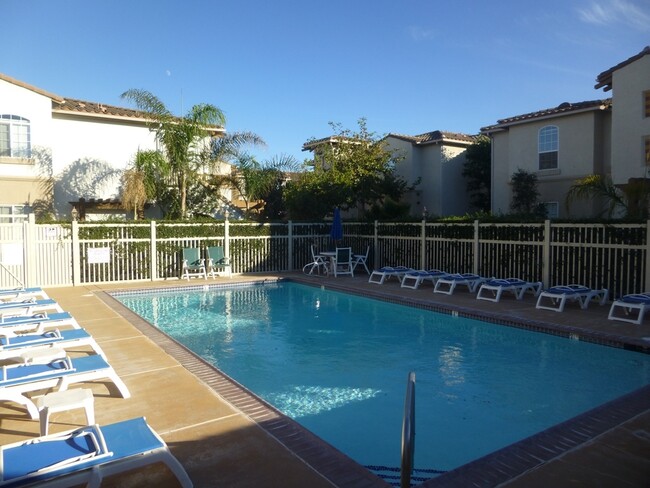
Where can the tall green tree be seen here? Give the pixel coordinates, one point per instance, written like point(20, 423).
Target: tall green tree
point(477, 172)
point(356, 170)
point(525, 195)
point(184, 139)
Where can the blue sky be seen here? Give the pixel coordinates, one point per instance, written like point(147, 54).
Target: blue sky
point(284, 69)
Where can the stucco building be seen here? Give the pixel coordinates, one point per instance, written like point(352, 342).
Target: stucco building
point(609, 137)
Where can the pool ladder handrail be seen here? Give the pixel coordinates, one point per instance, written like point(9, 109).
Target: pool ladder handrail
point(408, 433)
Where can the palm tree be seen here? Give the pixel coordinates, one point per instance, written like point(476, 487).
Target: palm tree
point(632, 198)
point(182, 138)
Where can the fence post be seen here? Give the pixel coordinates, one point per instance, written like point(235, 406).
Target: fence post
point(646, 284)
point(153, 252)
point(76, 255)
point(226, 241)
point(290, 245)
point(376, 245)
point(29, 252)
point(477, 248)
point(546, 254)
point(423, 244)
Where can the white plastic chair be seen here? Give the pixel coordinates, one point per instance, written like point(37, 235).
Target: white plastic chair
point(341, 263)
point(317, 262)
point(361, 259)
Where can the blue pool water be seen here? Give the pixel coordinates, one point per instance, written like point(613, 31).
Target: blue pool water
point(338, 364)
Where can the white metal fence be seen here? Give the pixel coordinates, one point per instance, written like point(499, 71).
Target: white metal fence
point(597, 255)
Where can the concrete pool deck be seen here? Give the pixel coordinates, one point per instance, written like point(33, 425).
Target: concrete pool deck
point(225, 436)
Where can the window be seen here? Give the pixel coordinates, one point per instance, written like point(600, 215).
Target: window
point(15, 139)
point(548, 147)
point(11, 214)
point(646, 103)
point(552, 209)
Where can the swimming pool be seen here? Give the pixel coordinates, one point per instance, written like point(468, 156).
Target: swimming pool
point(338, 364)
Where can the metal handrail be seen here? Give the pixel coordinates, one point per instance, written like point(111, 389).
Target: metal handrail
point(408, 433)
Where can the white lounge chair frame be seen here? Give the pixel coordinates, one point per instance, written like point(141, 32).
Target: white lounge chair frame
point(197, 265)
point(28, 306)
point(494, 288)
point(16, 392)
point(447, 284)
point(419, 276)
point(628, 306)
point(35, 323)
point(380, 275)
point(90, 469)
point(22, 293)
point(554, 300)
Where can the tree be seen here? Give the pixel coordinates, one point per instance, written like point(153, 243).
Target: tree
point(633, 198)
point(184, 139)
point(356, 170)
point(477, 171)
point(134, 192)
point(525, 195)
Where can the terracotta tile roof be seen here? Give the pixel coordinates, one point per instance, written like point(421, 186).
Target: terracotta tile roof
point(562, 109)
point(82, 106)
point(605, 78)
point(314, 143)
point(434, 137)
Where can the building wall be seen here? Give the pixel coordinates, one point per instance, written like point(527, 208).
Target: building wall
point(583, 138)
point(629, 126)
point(19, 178)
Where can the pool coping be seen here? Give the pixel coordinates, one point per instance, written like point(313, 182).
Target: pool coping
point(496, 468)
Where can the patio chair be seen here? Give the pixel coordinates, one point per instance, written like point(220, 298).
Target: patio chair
point(193, 263)
point(361, 259)
point(633, 301)
point(413, 279)
point(447, 284)
point(17, 345)
point(18, 379)
point(492, 289)
point(318, 262)
point(341, 262)
point(380, 275)
point(22, 293)
point(37, 322)
point(28, 306)
point(556, 297)
point(217, 260)
point(86, 455)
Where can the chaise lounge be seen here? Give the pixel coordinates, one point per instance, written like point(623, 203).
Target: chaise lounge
point(556, 297)
point(380, 275)
point(634, 301)
point(492, 289)
point(12, 346)
point(60, 373)
point(86, 455)
point(413, 279)
point(447, 284)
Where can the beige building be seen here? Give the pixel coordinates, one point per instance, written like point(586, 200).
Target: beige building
point(436, 160)
point(609, 137)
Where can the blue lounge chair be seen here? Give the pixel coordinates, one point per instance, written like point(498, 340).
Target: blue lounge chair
point(22, 293)
point(86, 455)
point(380, 275)
point(20, 344)
point(497, 286)
point(556, 297)
point(447, 284)
point(17, 380)
point(28, 306)
point(413, 279)
point(633, 301)
point(37, 321)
